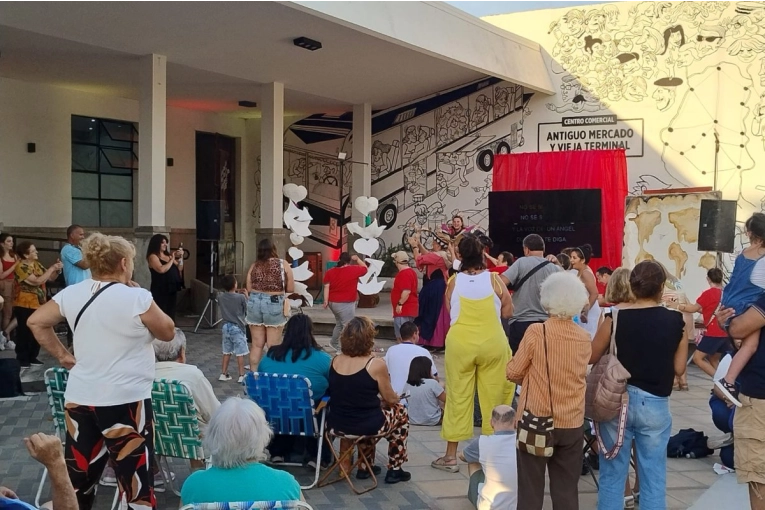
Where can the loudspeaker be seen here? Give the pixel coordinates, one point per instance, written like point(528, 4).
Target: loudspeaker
point(717, 225)
point(209, 219)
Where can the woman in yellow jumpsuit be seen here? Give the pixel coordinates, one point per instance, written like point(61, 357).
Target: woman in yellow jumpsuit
point(477, 351)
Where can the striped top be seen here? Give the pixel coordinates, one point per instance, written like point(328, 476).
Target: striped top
point(568, 348)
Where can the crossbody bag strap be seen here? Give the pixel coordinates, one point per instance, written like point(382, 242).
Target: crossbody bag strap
point(528, 275)
point(92, 298)
point(547, 365)
point(621, 425)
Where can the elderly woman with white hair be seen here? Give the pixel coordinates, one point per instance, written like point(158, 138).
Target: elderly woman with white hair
point(236, 440)
point(551, 365)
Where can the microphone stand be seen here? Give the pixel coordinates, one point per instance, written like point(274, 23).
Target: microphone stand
point(212, 299)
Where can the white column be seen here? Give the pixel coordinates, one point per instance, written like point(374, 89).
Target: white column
point(271, 155)
point(361, 183)
point(152, 126)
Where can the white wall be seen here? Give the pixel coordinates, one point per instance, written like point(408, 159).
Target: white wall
point(42, 114)
point(35, 189)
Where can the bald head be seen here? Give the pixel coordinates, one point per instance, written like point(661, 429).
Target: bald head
point(502, 417)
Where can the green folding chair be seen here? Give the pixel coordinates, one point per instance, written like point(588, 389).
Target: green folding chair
point(176, 426)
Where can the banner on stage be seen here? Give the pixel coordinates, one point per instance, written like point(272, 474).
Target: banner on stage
point(592, 132)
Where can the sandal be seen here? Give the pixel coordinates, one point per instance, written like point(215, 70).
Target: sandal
point(441, 463)
point(684, 387)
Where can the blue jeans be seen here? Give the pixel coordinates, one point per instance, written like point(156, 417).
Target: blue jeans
point(722, 417)
point(649, 423)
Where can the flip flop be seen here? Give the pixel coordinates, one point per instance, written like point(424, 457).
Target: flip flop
point(440, 463)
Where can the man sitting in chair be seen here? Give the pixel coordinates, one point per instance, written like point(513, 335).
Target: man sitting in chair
point(171, 365)
point(492, 466)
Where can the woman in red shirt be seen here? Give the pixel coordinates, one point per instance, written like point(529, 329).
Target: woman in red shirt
point(715, 341)
point(340, 294)
point(403, 297)
point(9, 263)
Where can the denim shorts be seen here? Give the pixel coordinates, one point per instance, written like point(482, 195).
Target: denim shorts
point(234, 340)
point(265, 310)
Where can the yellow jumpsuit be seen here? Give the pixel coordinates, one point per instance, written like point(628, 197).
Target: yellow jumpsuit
point(477, 352)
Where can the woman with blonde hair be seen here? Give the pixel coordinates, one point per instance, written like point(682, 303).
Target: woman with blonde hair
point(108, 395)
point(550, 366)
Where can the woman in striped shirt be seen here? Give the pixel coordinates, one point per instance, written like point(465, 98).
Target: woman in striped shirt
point(551, 365)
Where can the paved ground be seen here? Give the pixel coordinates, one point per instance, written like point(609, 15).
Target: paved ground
point(688, 480)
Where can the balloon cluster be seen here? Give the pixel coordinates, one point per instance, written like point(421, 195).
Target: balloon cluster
point(298, 220)
point(368, 245)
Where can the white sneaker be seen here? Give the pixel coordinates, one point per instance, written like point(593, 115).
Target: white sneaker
point(109, 478)
point(247, 367)
point(10, 344)
point(224, 377)
point(241, 379)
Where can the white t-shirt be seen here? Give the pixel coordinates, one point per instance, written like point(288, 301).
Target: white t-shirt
point(398, 358)
point(201, 389)
point(115, 358)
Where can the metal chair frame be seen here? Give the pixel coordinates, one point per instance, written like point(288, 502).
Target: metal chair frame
point(346, 453)
point(250, 505)
point(304, 421)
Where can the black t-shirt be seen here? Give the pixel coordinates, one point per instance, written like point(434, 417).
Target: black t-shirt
point(646, 342)
point(752, 377)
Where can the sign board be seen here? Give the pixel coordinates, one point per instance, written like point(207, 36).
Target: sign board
point(592, 132)
point(563, 218)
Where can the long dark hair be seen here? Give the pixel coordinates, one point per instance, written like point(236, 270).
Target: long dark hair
point(668, 32)
point(419, 370)
point(471, 253)
point(266, 251)
point(3, 237)
point(755, 225)
point(298, 337)
point(155, 245)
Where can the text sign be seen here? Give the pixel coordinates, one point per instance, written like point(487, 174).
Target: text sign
point(563, 218)
point(591, 133)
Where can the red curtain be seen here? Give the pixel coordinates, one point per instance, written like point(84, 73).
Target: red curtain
point(602, 169)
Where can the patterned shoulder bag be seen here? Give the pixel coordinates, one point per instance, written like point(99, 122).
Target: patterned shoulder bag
point(535, 433)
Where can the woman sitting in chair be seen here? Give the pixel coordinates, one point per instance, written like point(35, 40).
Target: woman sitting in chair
point(298, 354)
point(236, 440)
point(356, 378)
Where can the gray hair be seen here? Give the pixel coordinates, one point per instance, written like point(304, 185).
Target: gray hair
point(503, 414)
point(238, 433)
point(563, 294)
point(170, 351)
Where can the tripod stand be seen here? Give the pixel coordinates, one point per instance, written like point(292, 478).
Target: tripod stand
point(212, 300)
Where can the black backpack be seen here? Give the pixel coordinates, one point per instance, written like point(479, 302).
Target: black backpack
point(688, 443)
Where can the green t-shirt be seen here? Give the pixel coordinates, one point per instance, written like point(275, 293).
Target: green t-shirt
point(253, 482)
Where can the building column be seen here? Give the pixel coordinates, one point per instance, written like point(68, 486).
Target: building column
point(361, 182)
point(152, 134)
point(272, 166)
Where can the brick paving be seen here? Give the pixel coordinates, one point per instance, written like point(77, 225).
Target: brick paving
point(687, 479)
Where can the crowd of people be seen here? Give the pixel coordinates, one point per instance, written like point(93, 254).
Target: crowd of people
point(519, 337)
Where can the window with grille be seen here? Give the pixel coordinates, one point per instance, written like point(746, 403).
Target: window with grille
point(104, 157)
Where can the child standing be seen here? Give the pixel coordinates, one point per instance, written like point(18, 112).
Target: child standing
point(747, 283)
point(233, 307)
point(425, 394)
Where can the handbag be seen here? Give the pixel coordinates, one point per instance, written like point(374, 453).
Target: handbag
point(606, 395)
point(535, 433)
point(701, 332)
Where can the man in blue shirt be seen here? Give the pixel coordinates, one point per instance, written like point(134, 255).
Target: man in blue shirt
point(76, 269)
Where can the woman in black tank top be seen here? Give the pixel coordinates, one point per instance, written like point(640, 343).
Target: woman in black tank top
point(357, 382)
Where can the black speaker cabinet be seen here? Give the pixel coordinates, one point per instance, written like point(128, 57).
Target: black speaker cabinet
point(209, 219)
point(717, 225)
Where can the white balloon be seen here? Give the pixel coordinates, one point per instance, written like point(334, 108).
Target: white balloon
point(301, 273)
point(295, 304)
point(374, 286)
point(365, 205)
point(366, 246)
point(355, 228)
point(375, 266)
point(296, 239)
point(295, 252)
point(300, 214)
point(302, 289)
point(298, 227)
point(294, 192)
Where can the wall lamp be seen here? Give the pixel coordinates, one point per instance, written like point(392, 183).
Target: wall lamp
point(306, 43)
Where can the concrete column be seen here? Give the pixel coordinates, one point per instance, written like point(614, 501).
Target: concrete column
point(272, 166)
point(361, 182)
point(152, 127)
point(152, 135)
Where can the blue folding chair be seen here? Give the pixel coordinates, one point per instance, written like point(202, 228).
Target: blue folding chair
point(290, 408)
point(250, 505)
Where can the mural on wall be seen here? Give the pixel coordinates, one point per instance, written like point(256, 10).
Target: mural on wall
point(431, 159)
point(673, 83)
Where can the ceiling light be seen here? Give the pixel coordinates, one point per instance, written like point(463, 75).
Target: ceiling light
point(248, 104)
point(306, 43)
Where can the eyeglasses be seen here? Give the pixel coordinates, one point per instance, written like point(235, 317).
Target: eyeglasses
point(712, 38)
